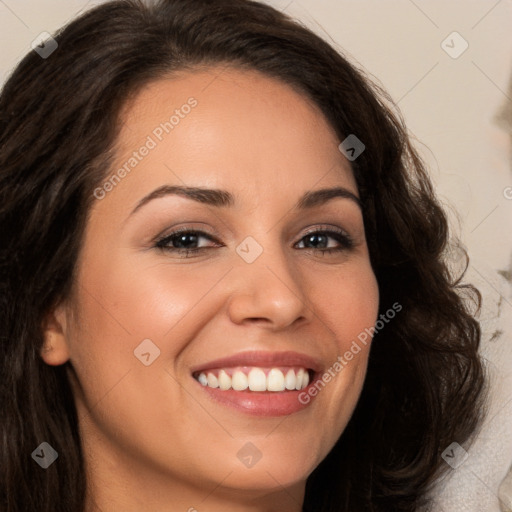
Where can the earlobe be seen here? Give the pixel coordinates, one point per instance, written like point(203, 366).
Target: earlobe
point(55, 349)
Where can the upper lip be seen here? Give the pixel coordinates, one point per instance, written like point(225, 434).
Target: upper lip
point(263, 359)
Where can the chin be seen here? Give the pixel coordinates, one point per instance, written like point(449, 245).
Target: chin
point(268, 465)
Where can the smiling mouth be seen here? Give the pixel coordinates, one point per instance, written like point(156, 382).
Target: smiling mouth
point(260, 383)
point(257, 379)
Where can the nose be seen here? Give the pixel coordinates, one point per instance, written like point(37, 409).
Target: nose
point(268, 291)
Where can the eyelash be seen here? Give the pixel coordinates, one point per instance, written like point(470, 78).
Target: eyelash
point(345, 241)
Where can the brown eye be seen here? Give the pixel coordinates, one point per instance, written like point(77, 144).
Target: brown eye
point(183, 241)
point(321, 238)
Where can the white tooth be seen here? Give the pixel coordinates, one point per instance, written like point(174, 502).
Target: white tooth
point(305, 379)
point(202, 379)
point(224, 380)
point(257, 380)
point(213, 382)
point(275, 381)
point(239, 381)
point(298, 382)
point(290, 380)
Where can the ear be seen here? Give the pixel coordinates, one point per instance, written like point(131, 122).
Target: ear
point(55, 350)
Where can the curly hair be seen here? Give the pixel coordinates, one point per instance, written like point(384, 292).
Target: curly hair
point(59, 118)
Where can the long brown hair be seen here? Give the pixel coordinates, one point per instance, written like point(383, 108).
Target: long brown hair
point(59, 118)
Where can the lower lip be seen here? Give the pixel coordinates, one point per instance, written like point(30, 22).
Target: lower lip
point(262, 403)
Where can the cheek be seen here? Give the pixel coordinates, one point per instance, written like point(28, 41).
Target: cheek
point(347, 302)
point(121, 307)
point(143, 301)
point(348, 306)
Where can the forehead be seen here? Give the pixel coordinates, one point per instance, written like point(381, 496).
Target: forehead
point(230, 129)
point(223, 90)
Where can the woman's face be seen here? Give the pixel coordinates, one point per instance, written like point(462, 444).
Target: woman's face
point(258, 305)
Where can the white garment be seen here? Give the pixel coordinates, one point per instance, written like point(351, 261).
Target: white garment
point(475, 485)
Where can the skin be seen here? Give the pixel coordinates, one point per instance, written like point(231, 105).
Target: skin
point(153, 440)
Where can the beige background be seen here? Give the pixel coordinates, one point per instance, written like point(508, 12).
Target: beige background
point(454, 108)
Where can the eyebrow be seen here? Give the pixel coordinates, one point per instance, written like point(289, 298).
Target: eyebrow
point(223, 198)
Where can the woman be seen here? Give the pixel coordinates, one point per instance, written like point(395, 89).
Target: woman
point(208, 219)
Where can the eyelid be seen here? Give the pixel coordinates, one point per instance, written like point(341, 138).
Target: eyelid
point(211, 233)
point(187, 229)
point(325, 227)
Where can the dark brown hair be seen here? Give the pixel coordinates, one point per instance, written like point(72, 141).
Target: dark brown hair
point(59, 118)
